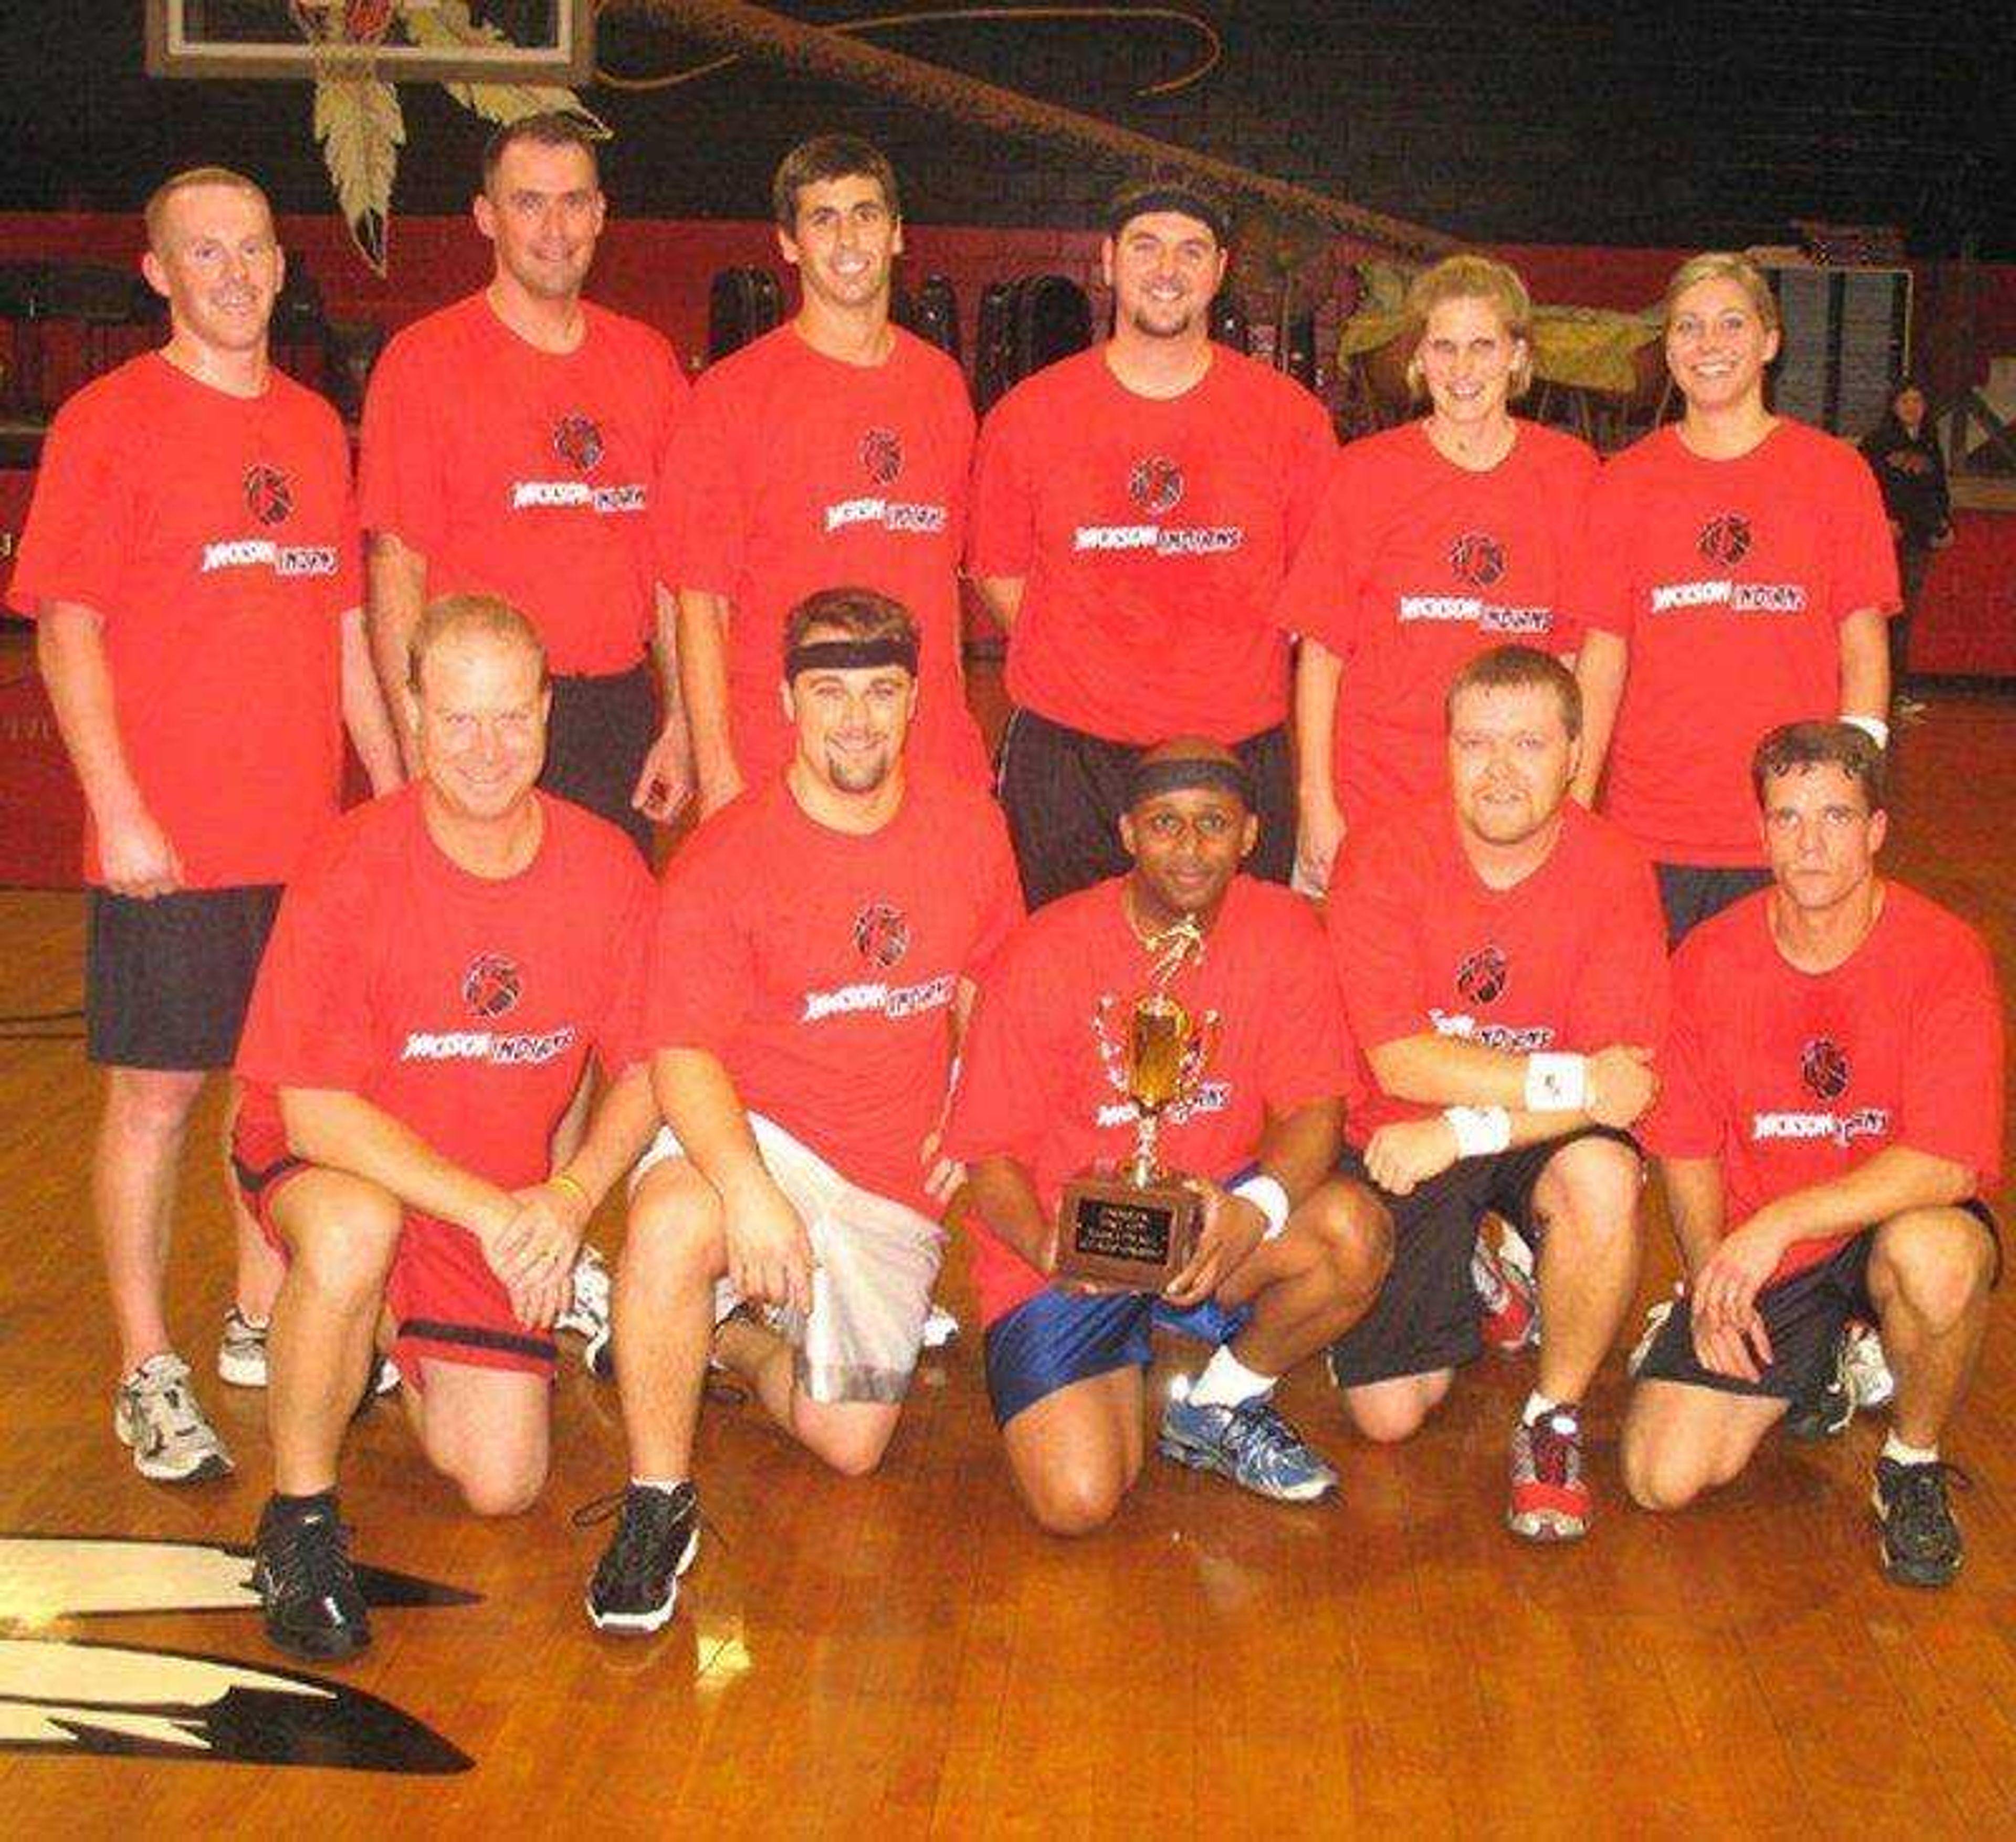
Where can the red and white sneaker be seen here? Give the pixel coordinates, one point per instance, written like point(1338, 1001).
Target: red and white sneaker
point(1550, 1501)
point(1508, 1300)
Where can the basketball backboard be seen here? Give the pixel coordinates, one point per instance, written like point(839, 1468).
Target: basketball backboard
point(535, 41)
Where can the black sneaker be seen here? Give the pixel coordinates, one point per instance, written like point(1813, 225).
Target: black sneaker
point(1824, 1412)
point(1921, 1543)
point(303, 1576)
point(636, 1582)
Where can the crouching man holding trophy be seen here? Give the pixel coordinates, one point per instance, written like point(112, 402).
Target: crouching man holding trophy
point(1151, 1111)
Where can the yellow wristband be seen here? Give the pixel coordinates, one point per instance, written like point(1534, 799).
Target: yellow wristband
point(561, 1177)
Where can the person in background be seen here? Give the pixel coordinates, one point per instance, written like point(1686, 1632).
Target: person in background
point(1903, 449)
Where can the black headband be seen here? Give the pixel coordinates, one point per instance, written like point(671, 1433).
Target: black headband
point(851, 655)
point(1172, 196)
point(1152, 779)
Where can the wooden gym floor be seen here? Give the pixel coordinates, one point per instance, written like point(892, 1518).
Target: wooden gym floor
point(906, 1653)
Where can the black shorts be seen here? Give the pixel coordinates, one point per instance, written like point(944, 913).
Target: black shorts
point(1693, 893)
point(166, 982)
point(1803, 1317)
point(1064, 792)
point(599, 733)
point(1425, 1316)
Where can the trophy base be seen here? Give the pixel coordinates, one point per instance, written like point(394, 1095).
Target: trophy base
point(1115, 1232)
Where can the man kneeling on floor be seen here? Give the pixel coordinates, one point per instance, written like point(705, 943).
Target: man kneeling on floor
point(1287, 1256)
point(441, 970)
point(1503, 962)
point(1831, 1115)
point(816, 940)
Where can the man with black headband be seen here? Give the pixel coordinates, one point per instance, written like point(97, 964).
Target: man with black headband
point(1504, 966)
point(1289, 1255)
point(816, 945)
point(1134, 510)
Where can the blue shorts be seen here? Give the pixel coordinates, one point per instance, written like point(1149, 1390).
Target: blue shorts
point(1048, 1342)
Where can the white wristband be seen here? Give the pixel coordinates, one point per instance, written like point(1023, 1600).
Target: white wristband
point(1479, 1130)
point(1266, 1194)
point(1556, 1084)
point(1873, 727)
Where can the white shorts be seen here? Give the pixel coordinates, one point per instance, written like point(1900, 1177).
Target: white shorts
point(876, 1261)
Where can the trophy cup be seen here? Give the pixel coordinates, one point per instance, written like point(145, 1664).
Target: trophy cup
point(1137, 1226)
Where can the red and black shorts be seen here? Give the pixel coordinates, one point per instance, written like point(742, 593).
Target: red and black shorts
point(1804, 1316)
point(1426, 1316)
point(447, 1305)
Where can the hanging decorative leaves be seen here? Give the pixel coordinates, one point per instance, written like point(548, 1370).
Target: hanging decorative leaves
point(358, 122)
point(449, 24)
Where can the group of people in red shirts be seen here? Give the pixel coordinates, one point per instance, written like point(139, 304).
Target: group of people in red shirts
point(1524, 722)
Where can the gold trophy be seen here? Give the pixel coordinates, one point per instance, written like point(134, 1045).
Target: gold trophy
point(1137, 1226)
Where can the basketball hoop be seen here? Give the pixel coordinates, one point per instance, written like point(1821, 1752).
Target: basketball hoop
point(343, 35)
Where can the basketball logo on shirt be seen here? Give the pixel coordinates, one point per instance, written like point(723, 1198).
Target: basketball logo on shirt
point(881, 935)
point(1155, 485)
point(1477, 559)
point(1726, 539)
point(1823, 1067)
point(577, 440)
point(267, 494)
point(491, 987)
point(882, 455)
point(1481, 979)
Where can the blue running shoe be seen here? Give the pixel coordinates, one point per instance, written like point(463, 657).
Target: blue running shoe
point(1251, 1444)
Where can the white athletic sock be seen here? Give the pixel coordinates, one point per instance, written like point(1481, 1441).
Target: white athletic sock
point(667, 1484)
point(1227, 1382)
point(1898, 1453)
point(1538, 1407)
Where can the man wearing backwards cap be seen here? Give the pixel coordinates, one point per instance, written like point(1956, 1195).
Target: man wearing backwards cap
point(813, 961)
point(1289, 1255)
point(1135, 510)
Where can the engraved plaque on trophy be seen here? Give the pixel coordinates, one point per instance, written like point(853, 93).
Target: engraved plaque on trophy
point(1137, 1226)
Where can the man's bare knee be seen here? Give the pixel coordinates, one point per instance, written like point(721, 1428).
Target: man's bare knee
point(1074, 1500)
point(155, 1103)
point(674, 1226)
point(342, 1244)
point(1355, 1234)
point(1940, 1267)
point(852, 1450)
point(492, 1489)
point(1591, 1187)
point(1387, 1413)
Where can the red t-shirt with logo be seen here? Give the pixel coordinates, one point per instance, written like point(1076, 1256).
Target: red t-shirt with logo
point(1729, 580)
point(1793, 1078)
point(216, 538)
point(464, 1006)
point(821, 967)
point(1571, 959)
point(527, 474)
point(1152, 536)
point(794, 471)
point(1412, 567)
point(1035, 1084)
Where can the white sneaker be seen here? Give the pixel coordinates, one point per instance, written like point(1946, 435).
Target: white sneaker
point(241, 1355)
point(587, 1314)
point(155, 1414)
point(941, 1328)
point(241, 1352)
point(1870, 1380)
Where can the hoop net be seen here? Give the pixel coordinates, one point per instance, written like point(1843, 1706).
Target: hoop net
point(343, 35)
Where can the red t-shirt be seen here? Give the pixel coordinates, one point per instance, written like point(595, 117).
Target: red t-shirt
point(464, 1007)
point(1570, 960)
point(1792, 1079)
point(527, 474)
point(794, 471)
point(216, 538)
point(1729, 579)
point(1412, 567)
point(1152, 535)
point(1034, 1084)
point(821, 968)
